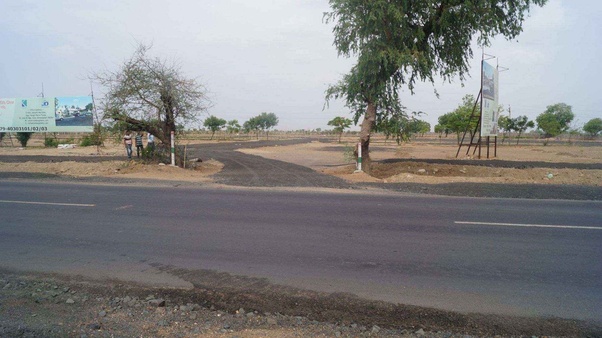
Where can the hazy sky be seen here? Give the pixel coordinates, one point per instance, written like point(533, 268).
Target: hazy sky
point(277, 55)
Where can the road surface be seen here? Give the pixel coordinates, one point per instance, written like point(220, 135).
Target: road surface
point(507, 256)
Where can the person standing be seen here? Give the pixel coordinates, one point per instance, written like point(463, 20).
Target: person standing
point(150, 142)
point(127, 141)
point(139, 146)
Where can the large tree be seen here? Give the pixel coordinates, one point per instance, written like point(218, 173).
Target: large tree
point(459, 121)
point(555, 120)
point(399, 42)
point(593, 127)
point(152, 95)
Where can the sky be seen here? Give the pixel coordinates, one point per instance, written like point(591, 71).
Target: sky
point(277, 56)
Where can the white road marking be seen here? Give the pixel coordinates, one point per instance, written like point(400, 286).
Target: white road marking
point(49, 203)
point(531, 225)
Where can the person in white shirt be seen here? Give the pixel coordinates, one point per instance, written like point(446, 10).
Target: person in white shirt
point(127, 141)
point(150, 142)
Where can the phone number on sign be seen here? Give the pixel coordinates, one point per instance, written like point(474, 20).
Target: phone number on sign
point(23, 129)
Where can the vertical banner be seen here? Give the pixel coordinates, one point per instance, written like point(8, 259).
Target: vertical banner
point(53, 114)
point(489, 114)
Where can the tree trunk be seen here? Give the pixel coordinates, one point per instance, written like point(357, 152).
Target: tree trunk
point(365, 133)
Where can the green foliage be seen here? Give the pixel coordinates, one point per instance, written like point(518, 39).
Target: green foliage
point(51, 142)
point(593, 127)
point(263, 122)
point(422, 127)
point(340, 124)
point(214, 124)
point(90, 140)
point(23, 138)
point(97, 138)
point(348, 154)
point(504, 123)
point(267, 121)
point(398, 43)
point(401, 126)
point(252, 125)
point(520, 124)
point(459, 120)
point(233, 127)
point(555, 120)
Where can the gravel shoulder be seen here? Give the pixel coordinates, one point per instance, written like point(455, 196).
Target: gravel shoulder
point(221, 305)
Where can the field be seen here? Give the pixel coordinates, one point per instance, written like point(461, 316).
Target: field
point(425, 160)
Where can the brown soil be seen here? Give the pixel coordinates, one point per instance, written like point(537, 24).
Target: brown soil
point(109, 168)
point(330, 159)
point(334, 159)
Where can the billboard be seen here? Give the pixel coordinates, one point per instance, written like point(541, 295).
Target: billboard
point(489, 112)
point(47, 114)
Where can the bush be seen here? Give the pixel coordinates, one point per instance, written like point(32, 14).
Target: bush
point(349, 155)
point(24, 138)
point(51, 142)
point(90, 140)
point(593, 127)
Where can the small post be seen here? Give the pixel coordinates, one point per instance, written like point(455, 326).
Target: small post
point(359, 158)
point(173, 148)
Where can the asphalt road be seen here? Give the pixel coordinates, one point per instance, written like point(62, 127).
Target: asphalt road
point(408, 249)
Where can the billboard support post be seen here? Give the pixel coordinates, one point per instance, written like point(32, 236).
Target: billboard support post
point(487, 124)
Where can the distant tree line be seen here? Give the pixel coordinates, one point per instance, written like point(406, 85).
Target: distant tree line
point(554, 121)
point(256, 124)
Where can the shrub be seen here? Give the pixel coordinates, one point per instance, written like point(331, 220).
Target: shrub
point(24, 138)
point(51, 142)
point(349, 155)
point(90, 140)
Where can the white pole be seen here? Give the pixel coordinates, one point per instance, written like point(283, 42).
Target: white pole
point(173, 148)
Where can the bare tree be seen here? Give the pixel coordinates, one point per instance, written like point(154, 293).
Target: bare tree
point(152, 95)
